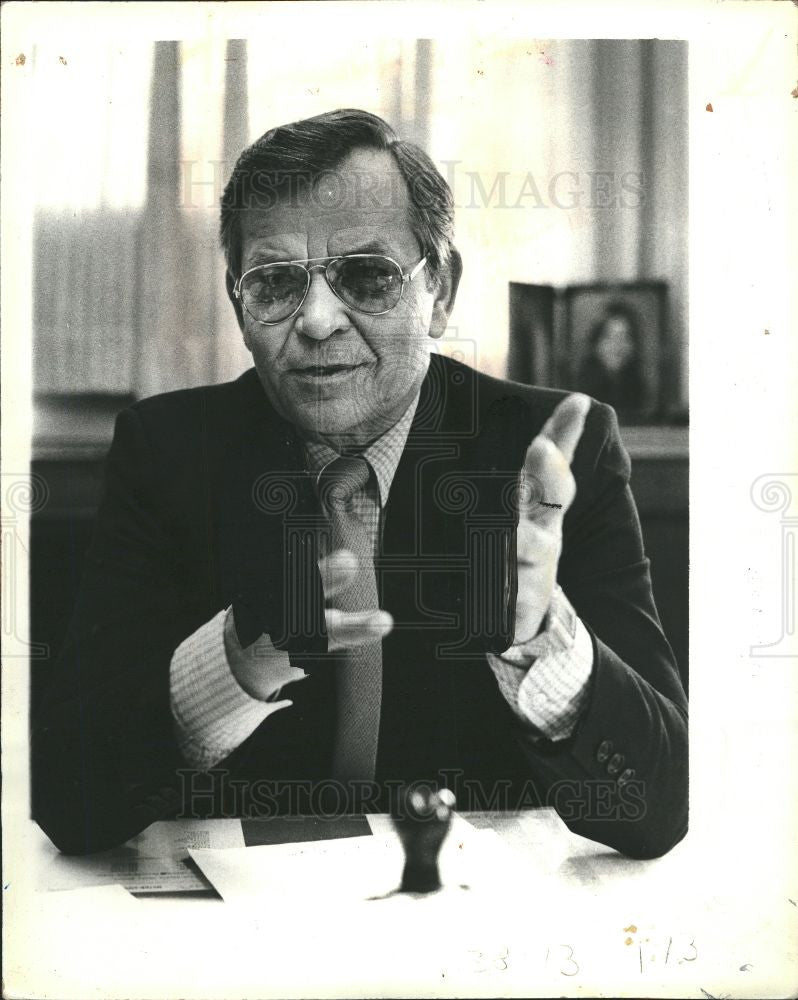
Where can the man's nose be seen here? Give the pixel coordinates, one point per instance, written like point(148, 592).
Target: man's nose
point(322, 313)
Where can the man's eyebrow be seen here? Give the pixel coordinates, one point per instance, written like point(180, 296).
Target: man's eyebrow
point(265, 257)
point(372, 246)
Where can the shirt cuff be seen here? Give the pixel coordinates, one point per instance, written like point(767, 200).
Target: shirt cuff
point(212, 712)
point(546, 681)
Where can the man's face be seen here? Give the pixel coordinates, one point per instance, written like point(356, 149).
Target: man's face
point(338, 374)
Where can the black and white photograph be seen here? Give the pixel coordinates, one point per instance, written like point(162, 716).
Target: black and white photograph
point(385, 413)
point(615, 347)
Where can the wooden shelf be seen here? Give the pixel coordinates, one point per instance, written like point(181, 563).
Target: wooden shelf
point(656, 442)
point(75, 428)
point(660, 469)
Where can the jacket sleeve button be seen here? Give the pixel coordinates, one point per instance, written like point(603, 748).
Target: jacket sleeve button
point(615, 764)
point(604, 751)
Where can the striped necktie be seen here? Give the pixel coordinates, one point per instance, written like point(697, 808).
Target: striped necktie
point(358, 669)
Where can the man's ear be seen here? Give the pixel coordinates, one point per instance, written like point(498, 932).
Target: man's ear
point(445, 295)
point(230, 282)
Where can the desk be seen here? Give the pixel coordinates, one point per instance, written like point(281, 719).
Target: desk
point(597, 924)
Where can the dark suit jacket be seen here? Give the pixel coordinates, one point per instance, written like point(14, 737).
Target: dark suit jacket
point(207, 504)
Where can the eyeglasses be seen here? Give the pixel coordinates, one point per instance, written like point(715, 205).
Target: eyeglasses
point(370, 283)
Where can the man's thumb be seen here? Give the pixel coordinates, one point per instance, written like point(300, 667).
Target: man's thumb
point(564, 427)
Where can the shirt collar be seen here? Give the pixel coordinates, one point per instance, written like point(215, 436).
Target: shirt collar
point(382, 455)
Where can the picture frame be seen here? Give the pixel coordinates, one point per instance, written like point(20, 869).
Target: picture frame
point(614, 346)
point(531, 357)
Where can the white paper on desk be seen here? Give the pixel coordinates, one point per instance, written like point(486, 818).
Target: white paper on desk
point(153, 861)
point(538, 839)
point(337, 900)
point(355, 869)
point(90, 898)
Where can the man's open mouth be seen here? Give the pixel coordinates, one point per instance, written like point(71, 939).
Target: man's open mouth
point(321, 370)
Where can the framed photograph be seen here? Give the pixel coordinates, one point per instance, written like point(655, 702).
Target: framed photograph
point(614, 347)
point(530, 356)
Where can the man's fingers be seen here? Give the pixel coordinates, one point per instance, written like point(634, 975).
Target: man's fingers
point(536, 544)
point(564, 427)
point(356, 628)
point(338, 570)
point(547, 486)
point(349, 628)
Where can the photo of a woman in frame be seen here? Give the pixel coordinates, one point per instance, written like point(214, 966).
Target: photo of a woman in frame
point(612, 370)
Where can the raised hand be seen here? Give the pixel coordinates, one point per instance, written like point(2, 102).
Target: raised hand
point(547, 491)
point(261, 669)
point(348, 628)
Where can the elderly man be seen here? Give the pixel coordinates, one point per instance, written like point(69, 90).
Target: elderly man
point(360, 564)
